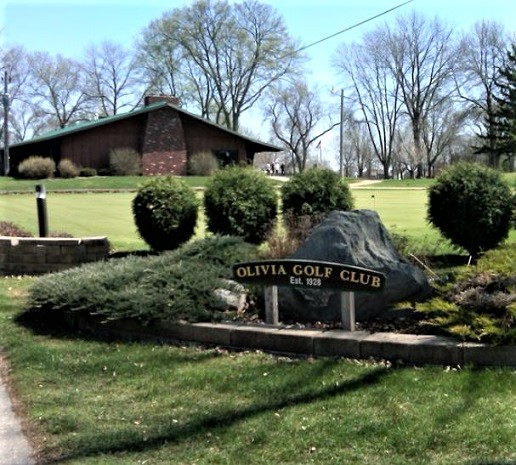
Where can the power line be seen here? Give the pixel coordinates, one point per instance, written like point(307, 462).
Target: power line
point(353, 26)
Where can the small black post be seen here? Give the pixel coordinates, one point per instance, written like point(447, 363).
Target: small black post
point(41, 202)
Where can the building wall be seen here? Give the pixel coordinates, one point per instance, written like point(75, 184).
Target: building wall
point(204, 138)
point(164, 149)
point(91, 148)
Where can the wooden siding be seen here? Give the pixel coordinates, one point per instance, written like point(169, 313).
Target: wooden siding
point(91, 148)
point(203, 138)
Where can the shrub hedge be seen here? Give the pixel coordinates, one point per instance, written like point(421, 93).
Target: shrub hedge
point(309, 196)
point(37, 167)
point(165, 211)
point(173, 286)
point(472, 207)
point(241, 202)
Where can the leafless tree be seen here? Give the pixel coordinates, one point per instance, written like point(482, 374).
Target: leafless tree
point(111, 79)
point(218, 56)
point(441, 131)
point(57, 87)
point(479, 56)
point(420, 55)
point(297, 117)
point(375, 92)
point(358, 148)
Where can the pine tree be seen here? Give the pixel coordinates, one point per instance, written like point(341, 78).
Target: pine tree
point(500, 137)
point(505, 114)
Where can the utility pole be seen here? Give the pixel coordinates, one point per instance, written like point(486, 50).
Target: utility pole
point(6, 101)
point(341, 148)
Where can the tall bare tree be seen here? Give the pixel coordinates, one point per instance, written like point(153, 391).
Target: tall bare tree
point(57, 87)
point(479, 57)
point(420, 55)
point(297, 117)
point(375, 92)
point(220, 57)
point(111, 79)
point(359, 146)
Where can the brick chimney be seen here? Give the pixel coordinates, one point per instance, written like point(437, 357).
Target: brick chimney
point(149, 99)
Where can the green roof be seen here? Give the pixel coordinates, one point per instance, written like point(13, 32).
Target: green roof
point(83, 126)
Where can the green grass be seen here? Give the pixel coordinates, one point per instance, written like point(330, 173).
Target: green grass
point(402, 211)
point(92, 402)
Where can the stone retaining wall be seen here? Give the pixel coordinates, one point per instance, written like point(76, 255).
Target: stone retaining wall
point(405, 348)
point(29, 255)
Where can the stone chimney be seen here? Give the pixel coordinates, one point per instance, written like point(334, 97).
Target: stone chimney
point(149, 99)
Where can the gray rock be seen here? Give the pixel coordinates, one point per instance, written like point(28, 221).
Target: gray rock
point(234, 296)
point(356, 238)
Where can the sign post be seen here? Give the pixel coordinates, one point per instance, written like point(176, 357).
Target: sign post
point(311, 275)
point(347, 310)
point(271, 305)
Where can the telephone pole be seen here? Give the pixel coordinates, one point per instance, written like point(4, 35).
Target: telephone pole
point(6, 101)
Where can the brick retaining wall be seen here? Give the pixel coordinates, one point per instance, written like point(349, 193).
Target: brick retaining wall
point(29, 255)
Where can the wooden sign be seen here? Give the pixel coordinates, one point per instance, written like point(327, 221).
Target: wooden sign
point(309, 274)
point(313, 275)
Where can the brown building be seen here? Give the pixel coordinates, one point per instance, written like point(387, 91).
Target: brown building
point(161, 132)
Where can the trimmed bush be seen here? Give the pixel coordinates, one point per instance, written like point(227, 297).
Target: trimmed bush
point(67, 169)
point(202, 164)
point(471, 206)
point(309, 196)
point(88, 172)
point(37, 167)
point(165, 212)
point(177, 285)
point(125, 162)
point(240, 202)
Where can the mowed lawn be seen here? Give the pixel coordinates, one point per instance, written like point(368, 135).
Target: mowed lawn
point(109, 214)
point(118, 403)
point(402, 211)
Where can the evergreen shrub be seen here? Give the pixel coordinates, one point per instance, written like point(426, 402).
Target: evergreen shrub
point(125, 162)
point(67, 169)
point(165, 211)
point(87, 172)
point(480, 305)
point(37, 167)
point(471, 206)
point(240, 202)
point(174, 286)
point(202, 164)
point(309, 196)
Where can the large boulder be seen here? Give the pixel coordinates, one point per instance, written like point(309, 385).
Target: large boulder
point(356, 238)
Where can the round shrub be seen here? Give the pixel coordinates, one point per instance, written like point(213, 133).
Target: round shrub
point(37, 167)
point(165, 212)
point(310, 195)
point(67, 169)
point(125, 162)
point(240, 202)
point(202, 164)
point(87, 172)
point(472, 207)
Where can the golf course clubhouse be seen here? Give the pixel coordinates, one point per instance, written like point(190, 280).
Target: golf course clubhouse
point(162, 133)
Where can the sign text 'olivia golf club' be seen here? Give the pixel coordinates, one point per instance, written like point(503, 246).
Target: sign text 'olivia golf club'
point(309, 274)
